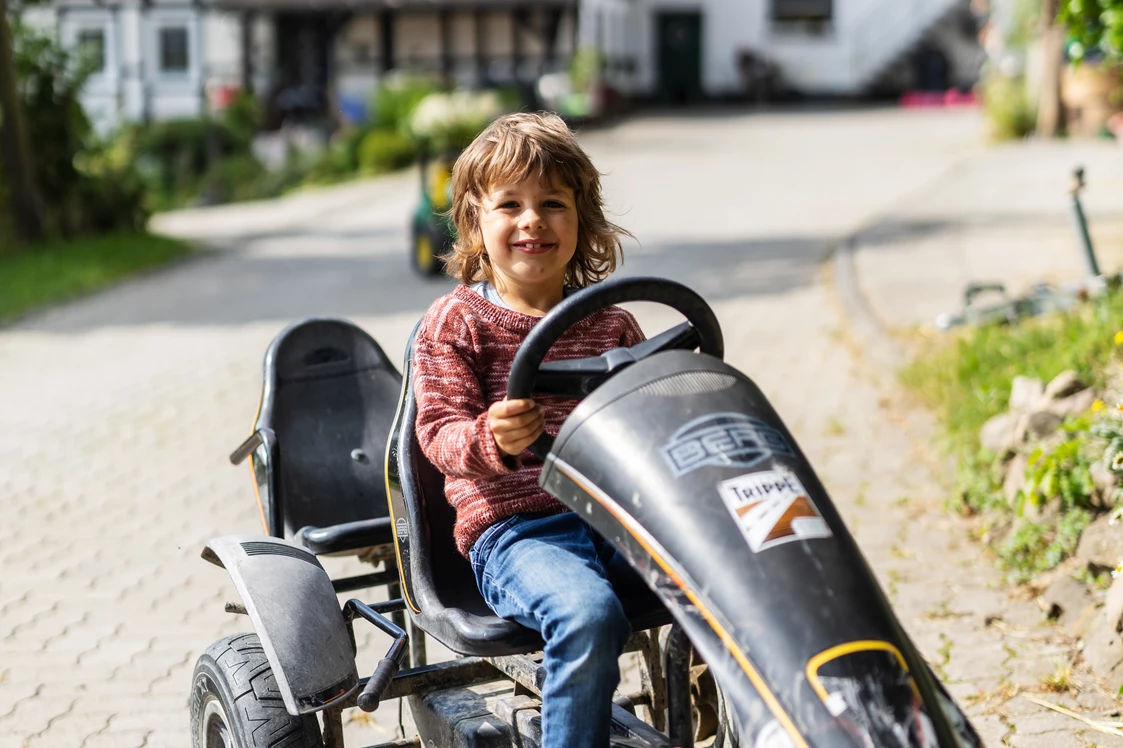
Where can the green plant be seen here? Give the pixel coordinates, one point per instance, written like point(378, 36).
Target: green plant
point(1063, 471)
point(966, 378)
point(173, 156)
point(1093, 25)
point(244, 117)
point(585, 68)
point(1034, 547)
point(233, 178)
point(397, 97)
point(83, 192)
point(1007, 107)
point(384, 150)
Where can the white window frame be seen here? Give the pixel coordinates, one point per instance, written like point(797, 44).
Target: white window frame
point(189, 57)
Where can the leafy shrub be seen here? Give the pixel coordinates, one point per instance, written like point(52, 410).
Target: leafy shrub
point(397, 97)
point(233, 178)
point(1064, 471)
point(82, 193)
point(341, 159)
point(244, 117)
point(1094, 25)
point(174, 155)
point(1033, 548)
point(292, 174)
point(384, 150)
point(1007, 107)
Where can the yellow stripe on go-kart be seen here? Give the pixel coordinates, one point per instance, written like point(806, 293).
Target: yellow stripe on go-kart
point(651, 546)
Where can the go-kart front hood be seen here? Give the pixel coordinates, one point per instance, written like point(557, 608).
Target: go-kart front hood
point(684, 466)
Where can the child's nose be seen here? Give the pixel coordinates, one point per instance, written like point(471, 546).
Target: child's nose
point(531, 219)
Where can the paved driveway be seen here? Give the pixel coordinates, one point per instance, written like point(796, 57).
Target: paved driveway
point(117, 412)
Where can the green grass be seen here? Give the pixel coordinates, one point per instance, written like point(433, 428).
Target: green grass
point(966, 379)
point(56, 271)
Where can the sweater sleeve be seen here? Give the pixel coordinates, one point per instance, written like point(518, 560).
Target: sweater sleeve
point(452, 426)
point(631, 334)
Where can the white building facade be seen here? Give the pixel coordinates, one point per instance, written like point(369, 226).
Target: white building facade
point(820, 47)
point(160, 58)
point(168, 59)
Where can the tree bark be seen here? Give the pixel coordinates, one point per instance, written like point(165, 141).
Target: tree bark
point(23, 196)
point(1050, 107)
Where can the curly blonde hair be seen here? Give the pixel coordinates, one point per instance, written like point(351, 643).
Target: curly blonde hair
point(516, 147)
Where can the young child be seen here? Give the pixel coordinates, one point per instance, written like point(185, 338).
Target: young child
point(530, 221)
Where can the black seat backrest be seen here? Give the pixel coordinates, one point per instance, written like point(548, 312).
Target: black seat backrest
point(329, 396)
point(439, 584)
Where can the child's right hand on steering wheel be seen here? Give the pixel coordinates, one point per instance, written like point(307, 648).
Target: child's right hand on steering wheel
point(515, 424)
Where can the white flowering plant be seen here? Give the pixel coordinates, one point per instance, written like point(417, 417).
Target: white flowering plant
point(449, 121)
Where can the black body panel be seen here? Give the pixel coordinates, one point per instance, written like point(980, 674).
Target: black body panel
point(683, 464)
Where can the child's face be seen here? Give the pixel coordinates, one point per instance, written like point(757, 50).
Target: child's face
point(530, 233)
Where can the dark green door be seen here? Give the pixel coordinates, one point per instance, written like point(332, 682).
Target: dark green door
point(680, 56)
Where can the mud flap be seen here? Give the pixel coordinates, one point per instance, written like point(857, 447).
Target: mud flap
point(294, 609)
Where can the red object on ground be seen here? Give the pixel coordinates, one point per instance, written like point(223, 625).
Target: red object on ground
point(926, 99)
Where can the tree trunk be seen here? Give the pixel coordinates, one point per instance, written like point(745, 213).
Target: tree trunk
point(23, 196)
point(1050, 108)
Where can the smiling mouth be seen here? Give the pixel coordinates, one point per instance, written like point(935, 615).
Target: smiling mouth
point(534, 247)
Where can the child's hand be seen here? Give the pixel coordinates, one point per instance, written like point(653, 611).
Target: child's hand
point(515, 424)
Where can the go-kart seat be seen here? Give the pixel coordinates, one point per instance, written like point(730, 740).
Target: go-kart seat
point(440, 586)
point(328, 396)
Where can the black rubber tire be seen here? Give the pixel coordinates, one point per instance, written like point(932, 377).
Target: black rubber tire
point(235, 702)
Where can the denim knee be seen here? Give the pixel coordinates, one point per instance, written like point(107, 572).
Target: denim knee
point(596, 619)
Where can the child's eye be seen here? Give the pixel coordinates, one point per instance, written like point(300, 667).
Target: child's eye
point(508, 204)
point(555, 204)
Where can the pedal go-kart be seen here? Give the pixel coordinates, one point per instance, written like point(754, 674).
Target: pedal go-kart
point(769, 629)
point(431, 231)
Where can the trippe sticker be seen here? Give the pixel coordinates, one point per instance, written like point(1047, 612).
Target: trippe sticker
point(772, 508)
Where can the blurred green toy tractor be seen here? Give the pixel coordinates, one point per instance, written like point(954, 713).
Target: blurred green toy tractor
point(432, 231)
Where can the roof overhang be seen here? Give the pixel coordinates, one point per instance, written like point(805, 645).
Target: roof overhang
point(401, 6)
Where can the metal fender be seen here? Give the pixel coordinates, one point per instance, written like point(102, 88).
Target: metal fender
point(294, 609)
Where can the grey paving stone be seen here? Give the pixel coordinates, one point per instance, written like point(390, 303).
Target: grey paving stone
point(1060, 738)
point(170, 376)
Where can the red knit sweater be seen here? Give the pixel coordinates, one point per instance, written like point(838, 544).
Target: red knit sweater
point(462, 356)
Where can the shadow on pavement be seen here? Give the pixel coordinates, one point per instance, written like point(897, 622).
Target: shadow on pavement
point(241, 286)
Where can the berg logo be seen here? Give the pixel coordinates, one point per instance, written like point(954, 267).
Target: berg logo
point(723, 440)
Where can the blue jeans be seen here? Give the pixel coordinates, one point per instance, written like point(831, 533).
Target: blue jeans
point(555, 575)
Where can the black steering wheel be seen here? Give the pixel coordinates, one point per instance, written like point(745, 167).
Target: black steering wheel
point(578, 377)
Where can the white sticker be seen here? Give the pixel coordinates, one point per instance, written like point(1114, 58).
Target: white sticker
point(772, 508)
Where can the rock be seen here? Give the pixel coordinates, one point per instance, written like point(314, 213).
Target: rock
point(1101, 546)
point(997, 434)
point(1015, 478)
point(1074, 404)
point(1063, 385)
point(1036, 425)
point(1025, 393)
point(1103, 648)
point(1068, 602)
point(1113, 606)
point(1106, 482)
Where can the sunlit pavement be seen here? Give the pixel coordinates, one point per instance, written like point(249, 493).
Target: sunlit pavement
point(118, 411)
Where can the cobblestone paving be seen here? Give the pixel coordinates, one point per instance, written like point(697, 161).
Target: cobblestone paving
point(117, 413)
